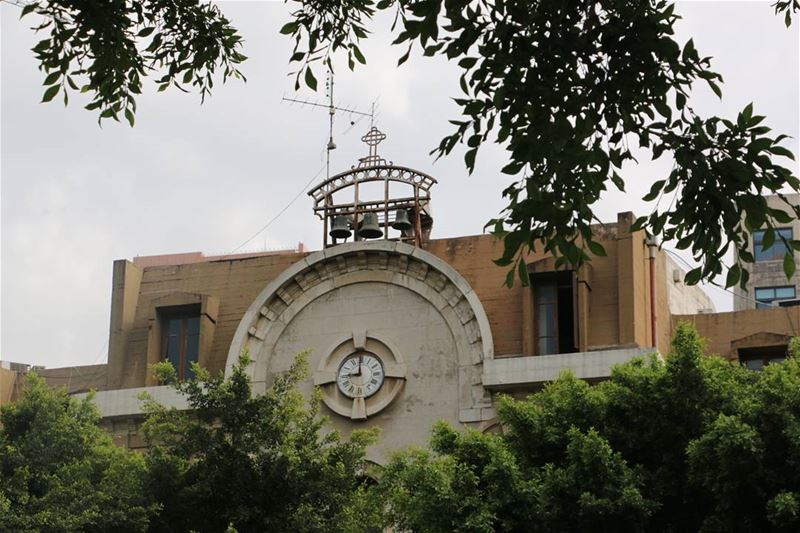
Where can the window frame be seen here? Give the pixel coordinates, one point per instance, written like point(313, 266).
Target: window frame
point(762, 303)
point(183, 314)
point(777, 250)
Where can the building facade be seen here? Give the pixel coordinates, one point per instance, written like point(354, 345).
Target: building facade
point(402, 330)
point(768, 285)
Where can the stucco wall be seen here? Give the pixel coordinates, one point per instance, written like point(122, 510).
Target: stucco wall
point(721, 329)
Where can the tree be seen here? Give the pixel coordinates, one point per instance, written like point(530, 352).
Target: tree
point(251, 463)
point(60, 472)
point(110, 47)
point(566, 87)
point(695, 443)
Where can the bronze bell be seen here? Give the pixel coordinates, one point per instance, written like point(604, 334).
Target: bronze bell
point(340, 228)
point(369, 227)
point(401, 221)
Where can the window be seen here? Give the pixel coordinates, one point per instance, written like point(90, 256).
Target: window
point(554, 313)
point(758, 358)
point(180, 338)
point(777, 250)
point(766, 295)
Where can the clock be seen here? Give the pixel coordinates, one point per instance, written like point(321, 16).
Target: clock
point(360, 375)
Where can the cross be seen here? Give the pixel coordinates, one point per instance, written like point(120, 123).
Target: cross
point(372, 139)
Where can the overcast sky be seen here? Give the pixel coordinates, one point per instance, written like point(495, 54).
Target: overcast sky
point(205, 178)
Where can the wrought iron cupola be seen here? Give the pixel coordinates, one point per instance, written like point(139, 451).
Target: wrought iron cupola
point(375, 200)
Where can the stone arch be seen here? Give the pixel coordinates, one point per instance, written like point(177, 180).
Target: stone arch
point(373, 262)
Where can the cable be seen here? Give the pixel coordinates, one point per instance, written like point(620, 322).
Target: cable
point(282, 211)
point(711, 283)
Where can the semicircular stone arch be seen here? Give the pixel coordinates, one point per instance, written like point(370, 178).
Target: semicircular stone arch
point(425, 291)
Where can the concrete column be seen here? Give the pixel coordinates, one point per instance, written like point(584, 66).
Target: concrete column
point(632, 284)
point(528, 332)
point(127, 279)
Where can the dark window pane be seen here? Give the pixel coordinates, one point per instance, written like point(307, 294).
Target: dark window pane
point(547, 320)
point(174, 343)
point(193, 325)
point(192, 345)
point(547, 345)
point(755, 364)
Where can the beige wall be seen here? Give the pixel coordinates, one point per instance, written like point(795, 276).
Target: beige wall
point(8, 382)
point(616, 313)
point(723, 329)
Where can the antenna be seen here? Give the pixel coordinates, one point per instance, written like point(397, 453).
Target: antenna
point(332, 109)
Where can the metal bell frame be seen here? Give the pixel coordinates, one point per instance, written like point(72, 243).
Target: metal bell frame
point(412, 214)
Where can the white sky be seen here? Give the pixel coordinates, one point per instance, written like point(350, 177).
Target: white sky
point(75, 197)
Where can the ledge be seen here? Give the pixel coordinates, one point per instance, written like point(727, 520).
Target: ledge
point(513, 372)
point(126, 402)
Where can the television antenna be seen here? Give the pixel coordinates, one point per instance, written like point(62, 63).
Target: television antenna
point(332, 109)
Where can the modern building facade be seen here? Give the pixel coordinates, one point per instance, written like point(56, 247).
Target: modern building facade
point(768, 285)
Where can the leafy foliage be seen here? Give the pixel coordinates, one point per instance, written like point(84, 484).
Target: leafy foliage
point(110, 47)
point(566, 87)
point(695, 443)
point(59, 472)
point(251, 463)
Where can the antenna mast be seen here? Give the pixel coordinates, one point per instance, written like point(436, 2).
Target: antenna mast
point(332, 109)
point(331, 113)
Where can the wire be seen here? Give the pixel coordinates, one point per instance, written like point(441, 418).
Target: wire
point(282, 211)
point(710, 283)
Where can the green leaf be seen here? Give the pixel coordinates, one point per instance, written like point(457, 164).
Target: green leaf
point(655, 190)
point(522, 269)
point(28, 8)
point(404, 57)
point(596, 248)
point(780, 150)
point(734, 273)
point(311, 81)
point(693, 276)
point(469, 159)
point(688, 50)
point(129, 116)
point(359, 56)
point(290, 27)
point(748, 112)
point(187, 77)
point(715, 88)
point(769, 239)
point(788, 264)
point(50, 93)
point(144, 32)
point(510, 278)
point(52, 78)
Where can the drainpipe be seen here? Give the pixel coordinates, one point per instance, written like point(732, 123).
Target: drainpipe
point(652, 247)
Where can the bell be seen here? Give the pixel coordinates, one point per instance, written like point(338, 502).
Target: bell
point(369, 227)
point(401, 221)
point(340, 228)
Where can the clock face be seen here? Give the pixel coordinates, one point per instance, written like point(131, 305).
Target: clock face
point(360, 375)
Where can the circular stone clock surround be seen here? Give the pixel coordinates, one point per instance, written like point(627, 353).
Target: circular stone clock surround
point(382, 262)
